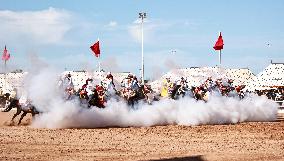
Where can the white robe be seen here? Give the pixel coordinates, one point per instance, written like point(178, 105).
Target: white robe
point(89, 89)
point(68, 83)
point(109, 86)
point(24, 102)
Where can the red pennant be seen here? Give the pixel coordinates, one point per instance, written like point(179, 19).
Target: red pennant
point(96, 49)
point(219, 43)
point(6, 55)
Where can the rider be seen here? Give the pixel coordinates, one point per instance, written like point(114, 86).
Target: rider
point(182, 86)
point(109, 78)
point(238, 88)
point(209, 84)
point(220, 85)
point(68, 82)
point(84, 86)
point(89, 87)
point(134, 84)
point(240, 92)
point(127, 83)
point(101, 96)
point(182, 82)
point(68, 86)
point(24, 101)
point(230, 84)
point(165, 87)
point(109, 85)
point(86, 89)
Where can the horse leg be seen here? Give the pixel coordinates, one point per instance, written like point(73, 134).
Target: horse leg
point(130, 102)
point(197, 97)
point(34, 110)
point(22, 116)
point(17, 113)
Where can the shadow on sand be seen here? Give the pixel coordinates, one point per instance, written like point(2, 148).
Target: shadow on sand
point(189, 158)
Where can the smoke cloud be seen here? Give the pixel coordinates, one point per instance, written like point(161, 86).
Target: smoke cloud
point(58, 113)
point(110, 64)
point(170, 64)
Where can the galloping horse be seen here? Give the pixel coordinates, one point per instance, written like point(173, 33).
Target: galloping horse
point(133, 96)
point(178, 90)
point(97, 99)
point(27, 109)
point(200, 93)
point(129, 95)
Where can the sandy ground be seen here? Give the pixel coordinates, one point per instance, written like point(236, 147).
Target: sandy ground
point(245, 141)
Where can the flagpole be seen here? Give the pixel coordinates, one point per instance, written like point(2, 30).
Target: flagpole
point(142, 16)
point(99, 59)
point(5, 71)
point(142, 50)
point(99, 63)
point(220, 57)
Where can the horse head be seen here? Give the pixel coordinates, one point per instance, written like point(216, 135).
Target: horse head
point(10, 103)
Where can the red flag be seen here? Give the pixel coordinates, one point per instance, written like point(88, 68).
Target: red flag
point(6, 55)
point(219, 43)
point(96, 49)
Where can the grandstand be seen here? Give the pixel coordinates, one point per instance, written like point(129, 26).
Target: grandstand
point(16, 80)
point(197, 75)
point(271, 77)
point(13, 80)
point(80, 77)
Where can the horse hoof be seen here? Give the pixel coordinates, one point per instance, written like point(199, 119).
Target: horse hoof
point(12, 123)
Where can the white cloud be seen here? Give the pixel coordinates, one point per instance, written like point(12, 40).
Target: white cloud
point(149, 28)
point(155, 28)
point(44, 26)
point(112, 24)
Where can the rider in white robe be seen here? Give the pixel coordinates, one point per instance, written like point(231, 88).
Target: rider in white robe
point(90, 88)
point(24, 101)
point(68, 82)
point(109, 86)
point(67, 86)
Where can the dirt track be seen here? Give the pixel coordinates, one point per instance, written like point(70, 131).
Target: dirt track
point(245, 141)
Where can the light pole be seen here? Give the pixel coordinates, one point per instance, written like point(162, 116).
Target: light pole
point(142, 15)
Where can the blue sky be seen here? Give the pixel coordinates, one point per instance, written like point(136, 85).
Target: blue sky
point(60, 33)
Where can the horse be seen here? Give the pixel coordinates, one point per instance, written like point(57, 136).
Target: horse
point(240, 92)
point(225, 90)
point(97, 99)
point(27, 109)
point(173, 91)
point(131, 96)
point(143, 92)
point(179, 90)
point(200, 93)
